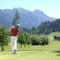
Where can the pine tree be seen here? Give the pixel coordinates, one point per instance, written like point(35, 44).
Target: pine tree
point(3, 37)
point(16, 18)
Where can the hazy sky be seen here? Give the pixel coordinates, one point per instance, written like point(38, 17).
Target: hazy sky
point(49, 7)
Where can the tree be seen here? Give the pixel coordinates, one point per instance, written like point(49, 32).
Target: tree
point(3, 37)
point(27, 41)
point(24, 38)
point(16, 18)
point(21, 38)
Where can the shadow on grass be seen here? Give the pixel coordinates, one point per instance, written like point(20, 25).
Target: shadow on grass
point(57, 52)
point(32, 50)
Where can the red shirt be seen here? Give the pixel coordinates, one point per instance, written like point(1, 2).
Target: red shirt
point(14, 31)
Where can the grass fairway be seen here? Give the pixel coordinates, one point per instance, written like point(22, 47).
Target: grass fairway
point(49, 52)
point(30, 55)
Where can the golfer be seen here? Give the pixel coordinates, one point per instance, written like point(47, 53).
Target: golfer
point(13, 35)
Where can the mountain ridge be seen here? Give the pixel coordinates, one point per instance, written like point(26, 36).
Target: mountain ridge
point(28, 18)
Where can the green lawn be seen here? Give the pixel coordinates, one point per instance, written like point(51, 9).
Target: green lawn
point(30, 55)
point(49, 52)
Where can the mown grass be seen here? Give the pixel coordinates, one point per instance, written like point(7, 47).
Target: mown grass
point(47, 52)
point(30, 55)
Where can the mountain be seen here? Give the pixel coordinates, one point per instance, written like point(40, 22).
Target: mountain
point(28, 19)
point(42, 16)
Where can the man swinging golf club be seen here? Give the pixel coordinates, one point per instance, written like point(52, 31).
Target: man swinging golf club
point(13, 35)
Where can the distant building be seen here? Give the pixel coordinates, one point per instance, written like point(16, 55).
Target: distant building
point(57, 38)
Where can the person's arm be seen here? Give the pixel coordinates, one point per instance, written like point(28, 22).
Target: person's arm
point(9, 29)
point(10, 32)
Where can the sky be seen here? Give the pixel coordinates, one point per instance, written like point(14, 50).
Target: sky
point(49, 7)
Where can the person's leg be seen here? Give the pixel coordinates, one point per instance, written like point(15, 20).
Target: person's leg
point(12, 43)
point(15, 44)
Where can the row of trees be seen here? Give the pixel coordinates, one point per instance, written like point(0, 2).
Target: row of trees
point(45, 28)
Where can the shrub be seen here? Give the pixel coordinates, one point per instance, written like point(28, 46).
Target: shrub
point(44, 41)
point(36, 40)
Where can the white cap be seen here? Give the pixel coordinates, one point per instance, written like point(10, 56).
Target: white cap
point(18, 25)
